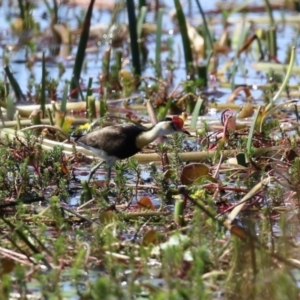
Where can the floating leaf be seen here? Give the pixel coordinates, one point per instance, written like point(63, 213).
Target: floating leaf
point(192, 172)
point(246, 111)
point(150, 237)
point(146, 203)
point(237, 91)
point(107, 217)
point(238, 231)
point(6, 265)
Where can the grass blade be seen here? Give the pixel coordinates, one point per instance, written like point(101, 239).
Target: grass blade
point(14, 84)
point(142, 3)
point(135, 51)
point(103, 108)
point(285, 81)
point(64, 99)
point(188, 55)
point(2, 118)
point(140, 22)
point(78, 88)
point(163, 110)
point(10, 108)
point(251, 131)
point(43, 86)
point(208, 39)
point(158, 43)
point(270, 13)
point(22, 9)
point(89, 92)
point(81, 48)
point(196, 113)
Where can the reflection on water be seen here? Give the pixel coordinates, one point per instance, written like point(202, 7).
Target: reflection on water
point(20, 55)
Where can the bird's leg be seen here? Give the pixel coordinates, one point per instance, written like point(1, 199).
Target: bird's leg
point(107, 181)
point(108, 177)
point(94, 169)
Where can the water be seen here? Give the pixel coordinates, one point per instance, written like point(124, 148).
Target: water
point(18, 59)
point(93, 68)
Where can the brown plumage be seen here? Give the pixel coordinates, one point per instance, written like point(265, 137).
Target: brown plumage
point(118, 141)
point(122, 141)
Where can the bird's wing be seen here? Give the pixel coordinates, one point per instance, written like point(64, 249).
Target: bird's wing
point(100, 137)
point(114, 140)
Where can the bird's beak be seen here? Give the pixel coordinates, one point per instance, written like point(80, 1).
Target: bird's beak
point(185, 131)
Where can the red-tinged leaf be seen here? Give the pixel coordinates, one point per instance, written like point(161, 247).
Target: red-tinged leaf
point(7, 265)
point(64, 169)
point(145, 203)
point(231, 123)
point(238, 231)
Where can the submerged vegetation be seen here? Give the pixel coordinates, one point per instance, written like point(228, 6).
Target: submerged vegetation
point(214, 215)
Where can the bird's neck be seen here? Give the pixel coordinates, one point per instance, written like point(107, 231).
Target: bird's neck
point(148, 136)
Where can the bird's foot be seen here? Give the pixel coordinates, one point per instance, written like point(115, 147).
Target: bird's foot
point(93, 171)
point(110, 184)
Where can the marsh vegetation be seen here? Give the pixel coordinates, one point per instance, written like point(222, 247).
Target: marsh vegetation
point(214, 215)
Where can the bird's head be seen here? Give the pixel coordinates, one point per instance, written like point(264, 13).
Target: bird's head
point(174, 124)
point(165, 127)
